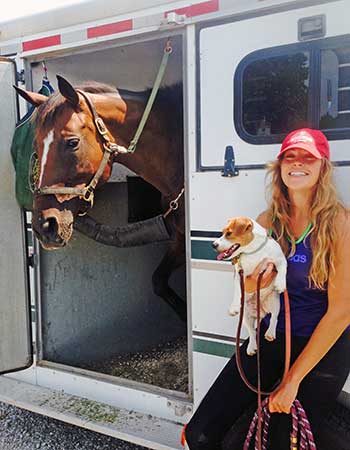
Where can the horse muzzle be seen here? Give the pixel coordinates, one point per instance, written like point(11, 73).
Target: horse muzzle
point(53, 228)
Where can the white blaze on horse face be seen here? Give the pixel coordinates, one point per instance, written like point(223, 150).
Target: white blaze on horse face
point(47, 142)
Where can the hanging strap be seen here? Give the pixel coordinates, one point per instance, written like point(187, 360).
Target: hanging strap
point(133, 143)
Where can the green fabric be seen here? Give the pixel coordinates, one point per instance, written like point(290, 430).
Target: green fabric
point(22, 154)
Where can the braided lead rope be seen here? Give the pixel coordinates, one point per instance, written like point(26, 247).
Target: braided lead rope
point(300, 425)
point(265, 430)
point(304, 425)
point(265, 418)
point(294, 433)
point(250, 431)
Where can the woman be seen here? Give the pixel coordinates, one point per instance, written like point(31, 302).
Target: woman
point(313, 229)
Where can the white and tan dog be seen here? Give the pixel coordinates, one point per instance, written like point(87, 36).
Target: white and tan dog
point(247, 239)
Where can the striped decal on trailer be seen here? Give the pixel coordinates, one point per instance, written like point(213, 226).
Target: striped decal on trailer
point(201, 244)
point(213, 348)
point(44, 42)
point(197, 10)
point(110, 28)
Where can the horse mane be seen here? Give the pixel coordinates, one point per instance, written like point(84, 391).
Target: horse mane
point(169, 98)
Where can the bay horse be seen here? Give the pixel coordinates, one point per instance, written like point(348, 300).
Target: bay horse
point(70, 150)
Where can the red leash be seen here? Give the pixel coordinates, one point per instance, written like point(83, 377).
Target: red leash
point(260, 422)
point(261, 419)
point(258, 389)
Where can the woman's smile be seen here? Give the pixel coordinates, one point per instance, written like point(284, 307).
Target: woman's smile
point(297, 174)
point(300, 169)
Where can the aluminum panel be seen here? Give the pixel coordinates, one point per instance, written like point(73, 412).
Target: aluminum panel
point(15, 342)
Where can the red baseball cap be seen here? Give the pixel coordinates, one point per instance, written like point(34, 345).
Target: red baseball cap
point(313, 141)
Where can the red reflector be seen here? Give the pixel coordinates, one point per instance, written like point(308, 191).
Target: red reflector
point(109, 28)
point(41, 42)
point(197, 10)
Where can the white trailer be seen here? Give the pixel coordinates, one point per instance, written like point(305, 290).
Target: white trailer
point(251, 70)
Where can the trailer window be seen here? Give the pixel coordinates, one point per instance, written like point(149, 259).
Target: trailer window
point(275, 94)
point(335, 89)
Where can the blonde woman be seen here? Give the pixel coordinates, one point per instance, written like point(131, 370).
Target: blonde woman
point(313, 228)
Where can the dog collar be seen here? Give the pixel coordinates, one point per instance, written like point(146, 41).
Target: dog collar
point(258, 249)
point(237, 258)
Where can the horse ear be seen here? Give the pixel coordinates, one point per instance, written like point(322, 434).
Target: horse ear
point(33, 98)
point(68, 91)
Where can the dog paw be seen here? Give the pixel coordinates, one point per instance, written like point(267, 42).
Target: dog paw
point(269, 337)
point(251, 350)
point(280, 287)
point(233, 311)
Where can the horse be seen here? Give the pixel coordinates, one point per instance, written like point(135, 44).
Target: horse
point(70, 144)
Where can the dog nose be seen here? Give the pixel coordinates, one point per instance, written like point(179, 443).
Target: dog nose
point(215, 244)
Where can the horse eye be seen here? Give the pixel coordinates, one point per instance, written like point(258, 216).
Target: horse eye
point(72, 144)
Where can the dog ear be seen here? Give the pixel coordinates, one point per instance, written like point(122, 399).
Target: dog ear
point(249, 226)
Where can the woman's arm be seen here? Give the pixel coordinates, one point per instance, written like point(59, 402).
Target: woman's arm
point(330, 327)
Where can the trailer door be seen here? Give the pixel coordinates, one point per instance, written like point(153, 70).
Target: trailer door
point(15, 337)
point(260, 76)
point(264, 76)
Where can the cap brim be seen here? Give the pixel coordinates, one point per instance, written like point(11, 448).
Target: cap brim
point(314, 152)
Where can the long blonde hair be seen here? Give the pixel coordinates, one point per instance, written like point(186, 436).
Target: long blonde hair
point(325, 209)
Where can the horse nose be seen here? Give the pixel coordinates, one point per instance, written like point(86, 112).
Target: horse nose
point(49, 228)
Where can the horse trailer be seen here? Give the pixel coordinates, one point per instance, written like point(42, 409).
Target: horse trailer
point(83, 338)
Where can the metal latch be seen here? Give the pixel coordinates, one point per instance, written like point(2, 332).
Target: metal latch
point(230, 169)
point(21, 76)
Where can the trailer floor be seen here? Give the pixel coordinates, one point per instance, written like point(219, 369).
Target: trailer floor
point(165, 366)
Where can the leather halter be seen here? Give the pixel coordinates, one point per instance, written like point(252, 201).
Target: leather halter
point(109, 148)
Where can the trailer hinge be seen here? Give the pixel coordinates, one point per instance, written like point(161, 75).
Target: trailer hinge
point(20, 77)
point(33, 260)
point(230, 169)
point(173, 18)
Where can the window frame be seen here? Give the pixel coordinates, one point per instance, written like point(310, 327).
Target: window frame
point(314, 48)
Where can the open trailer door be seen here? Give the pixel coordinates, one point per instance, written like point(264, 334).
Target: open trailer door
point(15, 335)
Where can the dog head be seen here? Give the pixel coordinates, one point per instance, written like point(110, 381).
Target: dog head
point(238, 233)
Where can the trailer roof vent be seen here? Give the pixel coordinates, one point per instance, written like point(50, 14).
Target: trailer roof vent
point(312, 27)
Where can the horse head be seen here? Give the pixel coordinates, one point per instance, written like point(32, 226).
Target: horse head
point(70, 149)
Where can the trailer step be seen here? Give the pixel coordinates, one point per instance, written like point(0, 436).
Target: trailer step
point(138, 428)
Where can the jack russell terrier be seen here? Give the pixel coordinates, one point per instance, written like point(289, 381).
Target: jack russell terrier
point(245, 240)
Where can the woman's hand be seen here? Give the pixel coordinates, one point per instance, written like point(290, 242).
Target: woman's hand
point(281, 400)
point(251, 281)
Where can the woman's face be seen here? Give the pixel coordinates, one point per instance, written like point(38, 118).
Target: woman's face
point(300, 170)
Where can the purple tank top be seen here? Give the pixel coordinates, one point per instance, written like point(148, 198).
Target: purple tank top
point(307, 304)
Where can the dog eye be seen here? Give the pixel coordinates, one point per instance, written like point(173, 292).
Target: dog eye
point(228, 233)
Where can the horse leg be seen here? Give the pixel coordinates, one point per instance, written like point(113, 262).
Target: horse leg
point(174, 258)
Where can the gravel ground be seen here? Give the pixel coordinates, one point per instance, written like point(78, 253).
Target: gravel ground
point(24, 430)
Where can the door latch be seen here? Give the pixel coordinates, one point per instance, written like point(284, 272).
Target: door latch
point(230, 169)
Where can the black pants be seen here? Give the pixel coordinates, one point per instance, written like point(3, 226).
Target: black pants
point(229, 397)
